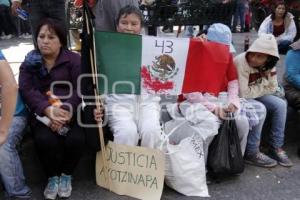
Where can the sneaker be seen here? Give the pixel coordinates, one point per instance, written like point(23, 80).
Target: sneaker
point(281, 157)
point(260, 160)
point(65, 186)
point(21, 36)
point(6, 37)
point(27, 36)
point(51, 189)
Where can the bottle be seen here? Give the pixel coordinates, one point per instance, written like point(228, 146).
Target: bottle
point(246, 43)
point(55, 101)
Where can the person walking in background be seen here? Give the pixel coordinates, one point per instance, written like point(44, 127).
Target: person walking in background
point(239, 15)
point(9, 90)
point(258, 82)
point(7, 28)
point(23, 26)
point(282, 25)
point(43, 9)
point(51, 62)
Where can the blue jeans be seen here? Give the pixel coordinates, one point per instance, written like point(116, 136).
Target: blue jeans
point(239, 14)
point(11, 170)
point(284, 46)
point(277, 108)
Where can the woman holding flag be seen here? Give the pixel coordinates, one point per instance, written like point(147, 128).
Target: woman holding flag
point(132, 117)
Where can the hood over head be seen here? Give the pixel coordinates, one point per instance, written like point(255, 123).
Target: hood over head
point(265, 43)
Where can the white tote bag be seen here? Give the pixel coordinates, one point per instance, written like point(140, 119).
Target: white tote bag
point(184, 159)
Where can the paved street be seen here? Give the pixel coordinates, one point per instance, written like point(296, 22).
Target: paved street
point(254, 184)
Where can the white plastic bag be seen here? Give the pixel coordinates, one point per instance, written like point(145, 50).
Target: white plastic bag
point(184, 159)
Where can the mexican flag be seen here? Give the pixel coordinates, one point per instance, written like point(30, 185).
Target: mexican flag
point(135, 64)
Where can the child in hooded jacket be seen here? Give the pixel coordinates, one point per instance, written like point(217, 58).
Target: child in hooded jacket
point(258, 81)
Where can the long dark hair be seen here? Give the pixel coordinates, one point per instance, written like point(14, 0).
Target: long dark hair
point(55, 26)
point(278, 3)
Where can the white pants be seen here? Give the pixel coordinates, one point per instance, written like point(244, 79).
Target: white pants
point(134, 117)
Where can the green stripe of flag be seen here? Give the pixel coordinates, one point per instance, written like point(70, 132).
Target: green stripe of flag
point(119, 60)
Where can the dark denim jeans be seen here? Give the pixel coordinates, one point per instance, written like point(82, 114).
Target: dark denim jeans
point(39, 10)
point(284, 46)
point(6, 24)
point(11, 170)
point(239, 14)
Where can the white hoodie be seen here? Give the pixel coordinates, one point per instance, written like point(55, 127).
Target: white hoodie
point(290, 30)
point(252, 84)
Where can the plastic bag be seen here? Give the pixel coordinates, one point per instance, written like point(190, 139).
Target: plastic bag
point(184, 159)
point(224, 154)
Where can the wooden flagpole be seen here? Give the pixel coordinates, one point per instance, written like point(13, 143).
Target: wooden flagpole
point(98, 102)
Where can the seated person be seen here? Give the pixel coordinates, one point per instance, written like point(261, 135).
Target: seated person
point(258, 81)
point(8, 97)
point(292, 78)
point(127, 123)
point(217, 67)
point(282, 25)
point(11, 170)
point(58, 137)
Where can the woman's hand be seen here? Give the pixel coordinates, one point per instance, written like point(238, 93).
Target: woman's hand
point(55, 126)
point(220, 112)
point(98, 114)
point(58, 114)
point(231, 108)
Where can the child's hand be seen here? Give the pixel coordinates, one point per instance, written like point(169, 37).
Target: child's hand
point(202, 37)
point(98, 114)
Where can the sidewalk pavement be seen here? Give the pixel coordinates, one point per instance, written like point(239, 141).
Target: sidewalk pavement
point(255, 183)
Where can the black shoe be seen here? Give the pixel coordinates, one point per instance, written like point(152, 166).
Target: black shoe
point(298, 152)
